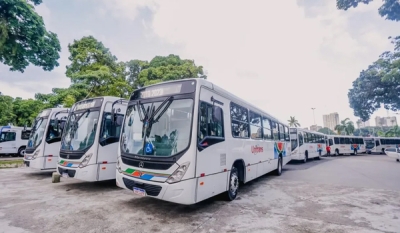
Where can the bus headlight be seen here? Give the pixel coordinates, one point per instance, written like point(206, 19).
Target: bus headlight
point(85, 160)
point(178, 173)
point(35, 154)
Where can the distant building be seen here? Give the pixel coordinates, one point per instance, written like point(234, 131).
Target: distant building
point(385, 121)
point(362, 124)
point(315, 127)
point(306, 128)
point(331, 120)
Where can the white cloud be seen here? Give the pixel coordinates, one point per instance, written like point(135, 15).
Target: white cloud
point(270, 53)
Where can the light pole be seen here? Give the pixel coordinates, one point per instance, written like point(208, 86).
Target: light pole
point(313, 114)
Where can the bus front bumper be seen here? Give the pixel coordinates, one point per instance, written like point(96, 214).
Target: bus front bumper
point(88, 173)
point(182, 192)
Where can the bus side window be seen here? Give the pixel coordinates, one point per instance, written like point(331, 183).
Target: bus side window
point(300, 139)
point(240, 121)
point(267, 128)
point(286, 133)
point(210, 121)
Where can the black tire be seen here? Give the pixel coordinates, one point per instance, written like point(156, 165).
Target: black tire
point(278, 170)
point(305, 157)
point(21, 151)
point(398, 160)
point(233, 187)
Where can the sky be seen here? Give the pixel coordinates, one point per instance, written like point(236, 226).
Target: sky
point(285, 57)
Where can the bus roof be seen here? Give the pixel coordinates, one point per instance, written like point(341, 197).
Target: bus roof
point(307, 131)
point(223, 92)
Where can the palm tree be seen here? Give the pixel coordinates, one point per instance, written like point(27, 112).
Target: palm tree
point(346, 126)
point(393, 132)
point(293, 122)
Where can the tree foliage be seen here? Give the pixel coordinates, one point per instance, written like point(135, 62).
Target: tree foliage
point(24, 39)
point(94, 66)
point(293, 122)
point(389, 10)
point(327, 131)
point(346, 126)
point(378, 85)
point(18, 111)
point(95, 71)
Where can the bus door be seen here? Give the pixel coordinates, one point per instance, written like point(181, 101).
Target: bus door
point(211, 145)
point(109, 133)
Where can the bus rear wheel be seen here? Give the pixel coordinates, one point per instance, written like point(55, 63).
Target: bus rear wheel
point(279, 168)
point(233, 185)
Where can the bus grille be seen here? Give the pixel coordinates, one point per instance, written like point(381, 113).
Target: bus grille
point(147, 164)
point(71, 173)
point(71, 155)
point(151, 190)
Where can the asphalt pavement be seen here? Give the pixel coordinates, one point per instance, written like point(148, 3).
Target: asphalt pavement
point(339, 194)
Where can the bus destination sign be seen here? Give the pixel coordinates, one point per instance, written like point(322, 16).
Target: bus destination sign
point(161, 90)
point(88, 104)
point(293, 130)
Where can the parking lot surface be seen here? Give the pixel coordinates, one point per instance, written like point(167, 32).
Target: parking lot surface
point(340, 194)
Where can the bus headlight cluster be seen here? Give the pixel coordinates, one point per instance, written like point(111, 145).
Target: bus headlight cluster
point(85, 160)
point(35, 154)
point(178, 173)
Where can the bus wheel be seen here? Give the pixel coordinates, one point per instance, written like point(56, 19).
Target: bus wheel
point(21, 151)
point(279, 169)
point(398, 160)
point(233, 185)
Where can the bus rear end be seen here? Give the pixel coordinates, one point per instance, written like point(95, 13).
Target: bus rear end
point(370, 145)
point(157, 152)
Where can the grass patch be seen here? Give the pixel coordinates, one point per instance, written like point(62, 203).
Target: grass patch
point(11, 163)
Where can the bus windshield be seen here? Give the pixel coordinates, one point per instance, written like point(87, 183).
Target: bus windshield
point(168, 133)
point(37, 133)
point(80, 130)
point(369, 144)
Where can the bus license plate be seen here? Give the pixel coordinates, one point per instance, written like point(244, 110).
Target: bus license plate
point(138, 191)
point(65, 175)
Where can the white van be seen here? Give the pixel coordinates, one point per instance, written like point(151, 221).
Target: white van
point(13, 140)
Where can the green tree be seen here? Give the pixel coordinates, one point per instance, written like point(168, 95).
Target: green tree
point(96, 68)
point(24, 39)
point(65, 97)
point(393, 132)
point(390, 9)
point(378, 85)
point(293, 122)
point(326, 130)
point(168, 68)
point(6, 110)
point(25, 110)
point(346, 126)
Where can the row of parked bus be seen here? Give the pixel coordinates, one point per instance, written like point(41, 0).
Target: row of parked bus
point(181, 141)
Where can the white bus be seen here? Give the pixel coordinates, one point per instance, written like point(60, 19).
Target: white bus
point(43, 147)
point(341, 144)
point(306, 144)
point(188, 140)
point(89, 142)
point(380, 144)
point(13, 140)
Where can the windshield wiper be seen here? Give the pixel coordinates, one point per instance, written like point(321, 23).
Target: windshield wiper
point(147, 117)
point(74, 127)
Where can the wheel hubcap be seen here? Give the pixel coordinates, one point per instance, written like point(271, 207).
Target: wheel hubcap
point(234, 183)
